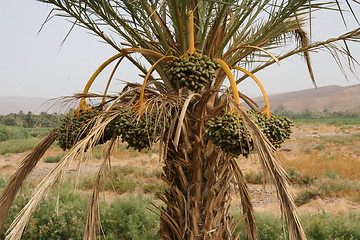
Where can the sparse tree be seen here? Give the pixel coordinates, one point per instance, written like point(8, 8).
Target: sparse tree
point(193, 46)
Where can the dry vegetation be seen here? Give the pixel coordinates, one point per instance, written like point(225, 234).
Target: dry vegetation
point(322, 162)
point(324, 150)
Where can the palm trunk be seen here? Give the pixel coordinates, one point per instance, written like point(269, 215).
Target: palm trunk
point(198, 195)
point(198, 176)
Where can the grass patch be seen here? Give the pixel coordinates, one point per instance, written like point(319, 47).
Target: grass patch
point(322, 226)
point(12, 132)
point(126, 218)
point(254, 177)
point(46, 223)
point(329, 121)
point(317, 165)
point(118, 185)
point(2, 182)
point(326, 226)
point(18, 145)
point(341, 139)
point(39, 132)
point(331, 174)
point(340, 188)
point(306, 196)
point(296, 177)
point(319, 147)
point(153, 187)
point(129, 219)
point(330, 187)
point(53, 159)
point(307, 150)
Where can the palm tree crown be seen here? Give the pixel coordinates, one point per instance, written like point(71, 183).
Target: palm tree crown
point(193, 46)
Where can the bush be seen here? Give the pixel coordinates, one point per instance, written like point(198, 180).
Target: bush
point(18, 145)
point(339, 187)
point(129, 219)
point(11, 132)
point(39, 132)
point(268, 227)
point(326, 226)
point(254, 177)
point(333, 186)
point(306, 196)
point(331, 174)
point(296, 177)
point(46, 223)
point(322, 226)
point(2, 183)
point(53, 159)
point(123, 219)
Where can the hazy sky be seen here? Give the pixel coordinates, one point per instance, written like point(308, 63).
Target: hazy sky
point(34, 65)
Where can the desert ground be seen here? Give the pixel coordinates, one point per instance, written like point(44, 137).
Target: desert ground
point(317, 151)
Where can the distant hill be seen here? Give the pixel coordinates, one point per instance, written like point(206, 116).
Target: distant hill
point(332, 98)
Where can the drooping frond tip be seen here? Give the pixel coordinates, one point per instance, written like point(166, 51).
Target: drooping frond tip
point(303, 39)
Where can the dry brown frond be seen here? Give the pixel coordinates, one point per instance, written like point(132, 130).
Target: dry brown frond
point(245, 201)
point(302, 37)
point(17, 179)
point(271, 165)
point(93, 217)
point(181, 119)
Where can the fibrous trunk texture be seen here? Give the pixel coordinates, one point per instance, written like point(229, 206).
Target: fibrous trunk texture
point(197, 200)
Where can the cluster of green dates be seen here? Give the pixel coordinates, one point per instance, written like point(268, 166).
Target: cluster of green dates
point(194, 71)
point(137, 133)
point(74, 127)
point(229, 133)
point(277, 129)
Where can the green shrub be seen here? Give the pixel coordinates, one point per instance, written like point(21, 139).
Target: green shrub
point(296, 177)
point(332, 156)
point(322, 226)
point(306, 196)
point(333, 187)
point(319, 147)
point(129, 219)
point(153, 187)
point(331, 174)
point(326, 226)
point(126, 218)
point(2, 183)
point(268, 227)
point(254, 177)
point(53, 159)
point(341, 140)
point(12, 132)
point(39, 132)
point(46, 223)
point(18, 145)
point(307, 150)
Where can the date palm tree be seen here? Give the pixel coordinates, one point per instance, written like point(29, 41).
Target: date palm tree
point(195, 49)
